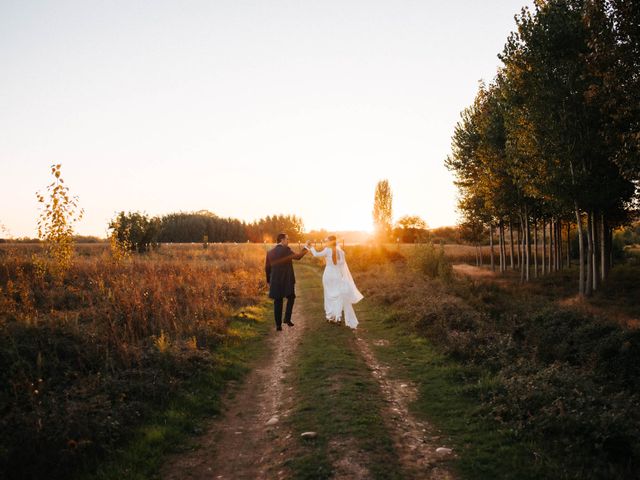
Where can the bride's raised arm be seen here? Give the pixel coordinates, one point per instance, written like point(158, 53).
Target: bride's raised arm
point(316, 253)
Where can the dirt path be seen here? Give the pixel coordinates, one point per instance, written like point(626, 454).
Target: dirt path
point(415, 441)
point(240, 444)
point(484, 273)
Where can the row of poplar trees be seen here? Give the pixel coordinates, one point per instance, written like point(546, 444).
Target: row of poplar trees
point(551, 148)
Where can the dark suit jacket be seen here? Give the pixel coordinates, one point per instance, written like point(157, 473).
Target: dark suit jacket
point(279, 269)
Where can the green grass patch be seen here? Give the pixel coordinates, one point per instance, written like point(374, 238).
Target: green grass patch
point(337, 397)
point(171, 429)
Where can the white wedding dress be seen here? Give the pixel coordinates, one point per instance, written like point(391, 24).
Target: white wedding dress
point(340, 291)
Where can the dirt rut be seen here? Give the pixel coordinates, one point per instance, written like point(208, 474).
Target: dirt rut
point(240, 444)
point(415, 441)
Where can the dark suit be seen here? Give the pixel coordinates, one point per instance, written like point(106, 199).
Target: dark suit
point(281, 279)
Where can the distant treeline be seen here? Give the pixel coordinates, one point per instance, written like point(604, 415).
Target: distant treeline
point(76, 239)
point(139, 231)
point(193, 227)
point(223, 228)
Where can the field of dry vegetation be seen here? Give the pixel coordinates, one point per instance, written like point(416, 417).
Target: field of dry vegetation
point(557, 372)
point(84, 359)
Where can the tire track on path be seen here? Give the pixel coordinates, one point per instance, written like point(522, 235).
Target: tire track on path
point(239, 444)
point(415, 441)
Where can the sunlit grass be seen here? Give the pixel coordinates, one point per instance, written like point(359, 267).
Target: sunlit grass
point(112, 345)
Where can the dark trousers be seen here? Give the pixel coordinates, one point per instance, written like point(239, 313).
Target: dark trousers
point(277, 309)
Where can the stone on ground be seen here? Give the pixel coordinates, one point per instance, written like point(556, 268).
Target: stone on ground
point(272, 421)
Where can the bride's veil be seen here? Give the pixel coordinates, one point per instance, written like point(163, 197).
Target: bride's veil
point(352, 294)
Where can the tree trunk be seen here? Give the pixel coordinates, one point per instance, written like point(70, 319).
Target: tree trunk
point(528, 242)
point(604, 268)
point(560, 254)
point(535, 249)
point(558, 243)
point(501, 238)
point(500, 248)
point(519, 249)
point(503, 256)
point(595, 274)
point(504, 246)
point(558, 240)
point(503, 260)
point(511, 245)
point(580, 249)
point(568, 244)
point(589, 284)
point(552, 246)
point(493, 265)
point(544, 246)
point(610, 235)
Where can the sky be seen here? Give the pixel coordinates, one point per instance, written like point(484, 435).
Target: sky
point(242, 108)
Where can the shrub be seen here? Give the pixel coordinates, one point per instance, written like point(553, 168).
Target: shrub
point(136, 231)
point(431, 261)
point(55, 226)
point(594, 431)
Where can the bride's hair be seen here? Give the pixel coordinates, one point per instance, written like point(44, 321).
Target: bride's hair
point(334, 251)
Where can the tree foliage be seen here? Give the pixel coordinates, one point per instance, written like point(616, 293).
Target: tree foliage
point(134, 231)
point(267, 229)
point(186, 227)
point(553, 140)
point(137, 232)
point(59, 212)
point(383, 211)
point(410, 229)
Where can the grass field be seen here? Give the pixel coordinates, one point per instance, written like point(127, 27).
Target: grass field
point(557, 373)
point(338, 398)
point(86, 361)
point(97, 369)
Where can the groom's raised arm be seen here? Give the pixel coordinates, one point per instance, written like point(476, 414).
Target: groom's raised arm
point(299, 255)
point(287, 257)
point(291, 255)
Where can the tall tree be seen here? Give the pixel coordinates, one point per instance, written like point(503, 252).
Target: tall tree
point(383, 211)
point(555, 137)
point(411, 228)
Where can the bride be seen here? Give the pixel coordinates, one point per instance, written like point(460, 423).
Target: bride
point(340, 291)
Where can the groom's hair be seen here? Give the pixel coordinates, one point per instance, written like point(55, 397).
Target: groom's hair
point(280, 237)
point(331, 238)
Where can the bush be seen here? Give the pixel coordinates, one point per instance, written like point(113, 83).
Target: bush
point(431, 261)
point(575, 415)
point(135, 231)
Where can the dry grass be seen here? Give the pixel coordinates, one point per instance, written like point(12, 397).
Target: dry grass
point(82, 361)
point(522, 349)
point(182, 290)
point(456, 253)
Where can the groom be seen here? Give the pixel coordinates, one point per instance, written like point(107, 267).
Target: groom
point(281, 279)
